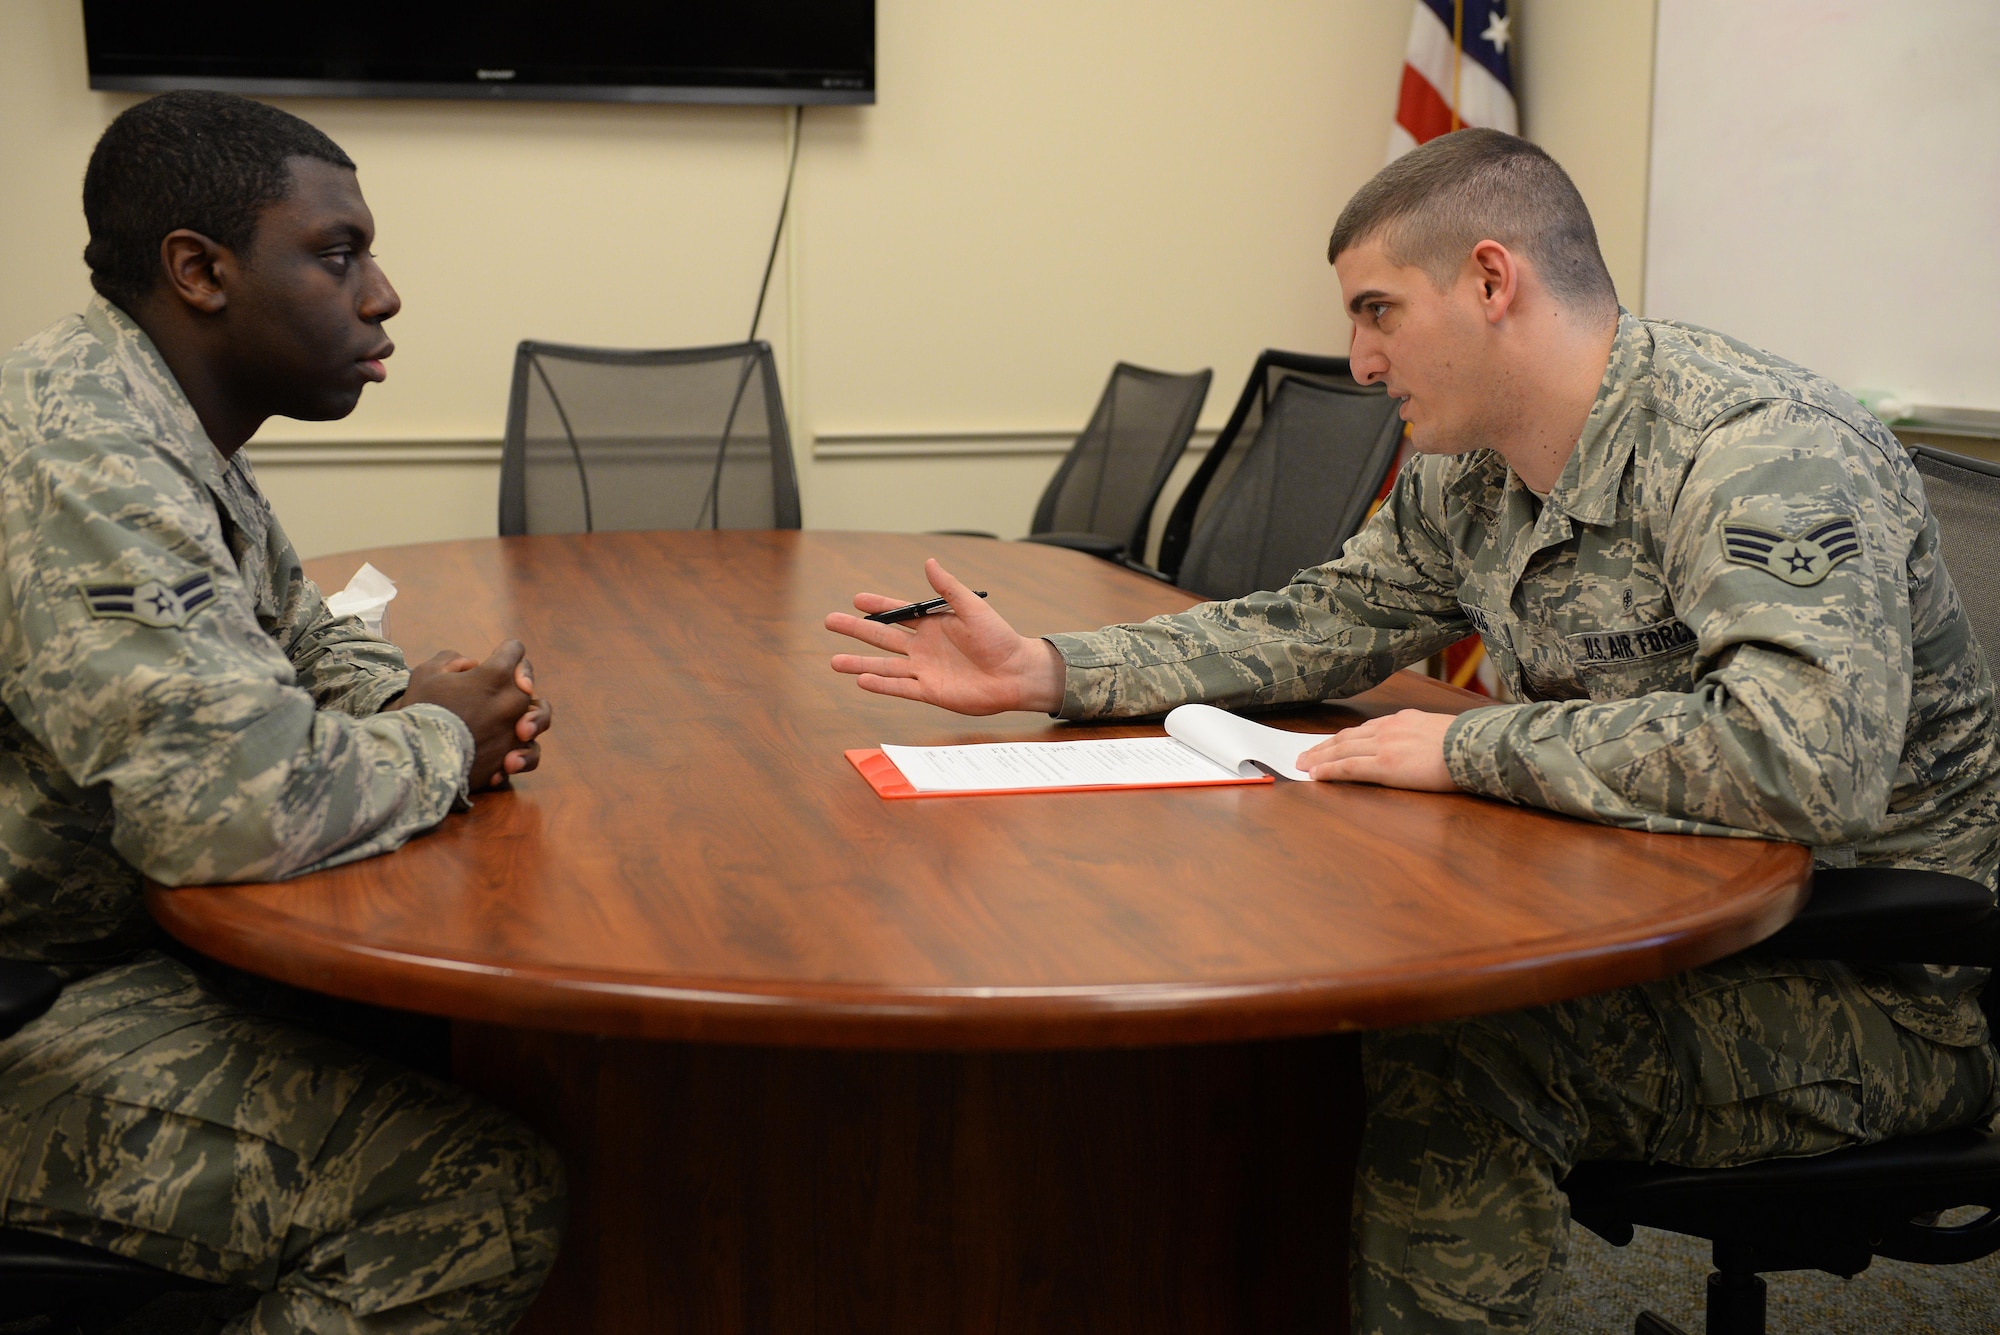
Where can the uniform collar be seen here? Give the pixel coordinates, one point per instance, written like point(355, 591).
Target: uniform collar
point(1587, 490)
point(154, 389)
point(1481, 480)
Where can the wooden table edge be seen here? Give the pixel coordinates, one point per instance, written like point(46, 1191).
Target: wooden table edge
point(598, 1001)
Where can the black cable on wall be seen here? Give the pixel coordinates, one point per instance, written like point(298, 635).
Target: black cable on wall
point(784, 208)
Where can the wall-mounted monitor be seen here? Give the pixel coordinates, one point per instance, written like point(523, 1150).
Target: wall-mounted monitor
point(766, 51)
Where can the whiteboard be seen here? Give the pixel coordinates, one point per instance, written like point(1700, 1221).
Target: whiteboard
point(1826, 185)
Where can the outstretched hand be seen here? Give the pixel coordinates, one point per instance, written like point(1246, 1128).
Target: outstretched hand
point(497, 701)
point(1400, 750)
point(969, 660)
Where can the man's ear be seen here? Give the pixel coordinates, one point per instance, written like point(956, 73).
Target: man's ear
point(197, 269)
point(1498, 274)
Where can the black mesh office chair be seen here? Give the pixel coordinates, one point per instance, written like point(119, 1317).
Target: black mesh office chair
point(1102, 495)
point(1287, 482)
point(1964, 494)
point(1837, 1212)
point(600, 439)
point(47, 1284)
point(1273, 367)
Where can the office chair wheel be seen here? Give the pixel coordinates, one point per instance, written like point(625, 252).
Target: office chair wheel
point(1652, 1323)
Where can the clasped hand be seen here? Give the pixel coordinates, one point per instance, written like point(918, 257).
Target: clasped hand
point(972, 662)
point(496, 699)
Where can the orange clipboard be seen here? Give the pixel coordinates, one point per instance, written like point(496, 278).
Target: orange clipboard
point(889, 783)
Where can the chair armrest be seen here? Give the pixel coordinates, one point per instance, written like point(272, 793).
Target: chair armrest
point(1141, 568)
point(1844, 1205)
point(1892, 915)
point(964, 533)
point(1107, 549)
point(26, 990)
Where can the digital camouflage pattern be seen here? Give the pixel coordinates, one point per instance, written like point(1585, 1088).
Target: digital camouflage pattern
point(1673, 684)
point(179, 703)
point(150, 1116)
point(178, 700)
point(1459, 1223)
point(1730, 616)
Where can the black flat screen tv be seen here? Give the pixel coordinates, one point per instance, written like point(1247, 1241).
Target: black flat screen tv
point(767, 51)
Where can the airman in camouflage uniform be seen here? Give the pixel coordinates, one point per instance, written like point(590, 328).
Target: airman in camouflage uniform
point(180, 704)
point(1690, 665)
point(1722, 608)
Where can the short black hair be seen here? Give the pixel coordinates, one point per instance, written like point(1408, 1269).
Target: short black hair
point(1431, 206)
point(209, 162)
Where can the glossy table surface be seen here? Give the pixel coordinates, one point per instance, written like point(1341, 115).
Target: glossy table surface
point(696, 859)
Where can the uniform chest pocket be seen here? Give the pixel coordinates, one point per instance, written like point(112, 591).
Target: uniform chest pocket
point(1621, 664)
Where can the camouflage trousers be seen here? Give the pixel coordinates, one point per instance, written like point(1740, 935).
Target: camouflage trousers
point(149, 1115)
point(1459, 1224)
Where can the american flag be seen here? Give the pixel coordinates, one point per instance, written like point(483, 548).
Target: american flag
point(1458, 72)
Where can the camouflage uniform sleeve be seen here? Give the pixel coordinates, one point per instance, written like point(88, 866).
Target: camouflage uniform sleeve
point(134, 654)
point(1336, 630)
point(338, 662)
point(1801, 679)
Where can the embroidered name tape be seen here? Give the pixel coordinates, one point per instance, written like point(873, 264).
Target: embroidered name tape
point(1485, 623)
point(1627, 646)
point(1796, 558)
point(152, 603)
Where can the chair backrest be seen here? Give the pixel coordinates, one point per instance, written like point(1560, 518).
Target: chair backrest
point(1288, 492)
point(1964, 494)
point(1111, 477)
point(602, 439)
point(1274, 367)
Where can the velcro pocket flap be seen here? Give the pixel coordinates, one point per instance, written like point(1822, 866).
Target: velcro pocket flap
point(160, 1173)
point(284, 1086)
point(1750, 1070)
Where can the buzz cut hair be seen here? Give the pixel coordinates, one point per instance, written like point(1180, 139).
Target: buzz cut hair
point(1431, 206)
point(208, 162)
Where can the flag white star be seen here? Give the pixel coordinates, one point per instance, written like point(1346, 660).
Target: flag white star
point(1496, 31)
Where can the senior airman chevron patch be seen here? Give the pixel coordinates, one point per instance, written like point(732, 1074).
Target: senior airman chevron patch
point(1797, 558)
point(153, 603)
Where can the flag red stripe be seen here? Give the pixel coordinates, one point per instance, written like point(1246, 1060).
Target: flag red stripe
point(1420, 110)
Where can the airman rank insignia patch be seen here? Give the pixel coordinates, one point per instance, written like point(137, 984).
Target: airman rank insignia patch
point(152, 603)
point(1798, 558)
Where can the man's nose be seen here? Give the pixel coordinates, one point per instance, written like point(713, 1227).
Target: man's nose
point(1365, 361)
point(379, 300)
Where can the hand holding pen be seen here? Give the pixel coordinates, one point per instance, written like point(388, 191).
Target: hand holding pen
point(971, 662)
point(928, 607)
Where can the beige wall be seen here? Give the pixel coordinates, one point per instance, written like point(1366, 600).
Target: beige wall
point(1584, 77)
point(1043, 189)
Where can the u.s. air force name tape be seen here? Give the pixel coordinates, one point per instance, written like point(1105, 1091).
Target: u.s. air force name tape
point(1626, 646)
point(1796, 558)
point(152, 603)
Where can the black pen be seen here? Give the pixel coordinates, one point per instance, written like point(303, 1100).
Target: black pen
point(911, 611)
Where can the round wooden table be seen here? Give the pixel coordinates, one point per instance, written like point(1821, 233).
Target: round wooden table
point(996, 1063)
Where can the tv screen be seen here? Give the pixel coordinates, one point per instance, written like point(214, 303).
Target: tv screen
point(771, 51)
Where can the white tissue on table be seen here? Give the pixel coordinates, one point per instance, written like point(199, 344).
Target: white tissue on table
point(366, 596)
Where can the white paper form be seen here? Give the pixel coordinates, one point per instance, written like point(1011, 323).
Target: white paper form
point(1238, 741)
point(1102, 762)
